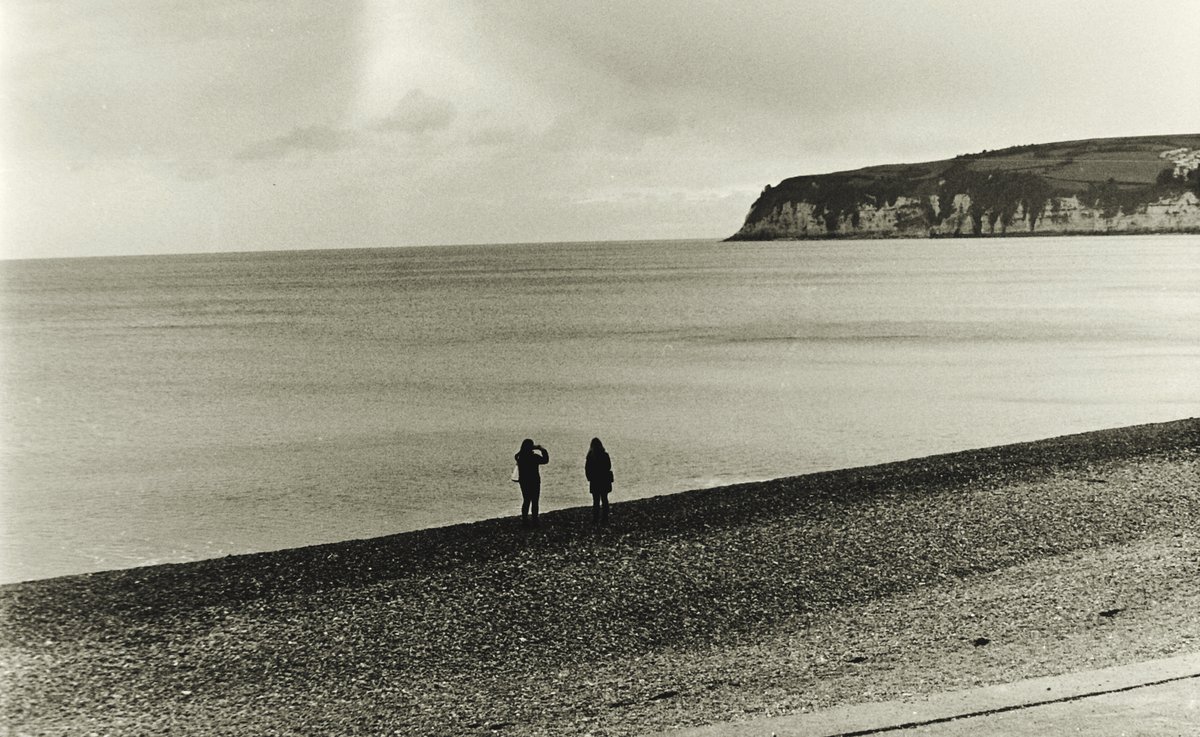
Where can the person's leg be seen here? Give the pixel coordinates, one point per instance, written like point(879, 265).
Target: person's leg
point(595, 508)
point(533, 506)
point(604, 513)
point(526, 500)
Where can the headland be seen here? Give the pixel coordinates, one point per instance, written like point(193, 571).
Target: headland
point(1139, 185)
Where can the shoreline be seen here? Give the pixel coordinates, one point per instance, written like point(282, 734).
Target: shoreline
point(932, 236)
point(670, 615)
point(950, 468)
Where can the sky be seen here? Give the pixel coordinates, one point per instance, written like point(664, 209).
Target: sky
point(156, 126)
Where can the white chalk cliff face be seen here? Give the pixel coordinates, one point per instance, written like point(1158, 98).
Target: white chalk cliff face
point(1066, 215)
point(903, 219)
point(1166, 210)
point(908, 218)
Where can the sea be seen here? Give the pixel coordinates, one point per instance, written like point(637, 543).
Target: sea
point(171, 408)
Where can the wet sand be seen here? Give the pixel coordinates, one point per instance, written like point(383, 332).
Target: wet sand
point(940, 573)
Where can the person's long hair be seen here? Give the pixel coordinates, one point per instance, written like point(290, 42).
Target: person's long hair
point(597, 447)
point(526, 446)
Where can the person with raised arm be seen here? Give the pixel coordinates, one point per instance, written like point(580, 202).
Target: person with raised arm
point(530, 458)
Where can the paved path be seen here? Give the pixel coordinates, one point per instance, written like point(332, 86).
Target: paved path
point(1159, 698)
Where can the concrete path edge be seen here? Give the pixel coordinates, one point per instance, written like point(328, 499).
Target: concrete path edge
point(865, 719)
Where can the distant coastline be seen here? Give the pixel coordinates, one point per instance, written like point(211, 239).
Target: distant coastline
point(981, 566)
point(898, 235)
point(1145, 185)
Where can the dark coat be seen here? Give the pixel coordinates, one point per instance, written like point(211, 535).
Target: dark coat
point(528, 466)
point(598, 469)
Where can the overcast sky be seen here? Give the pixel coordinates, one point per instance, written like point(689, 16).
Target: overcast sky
point(146, 126)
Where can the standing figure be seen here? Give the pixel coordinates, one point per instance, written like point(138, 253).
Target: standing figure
point(528, 459)
point(598, 469)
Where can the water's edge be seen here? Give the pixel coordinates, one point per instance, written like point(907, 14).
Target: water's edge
point(357, 562)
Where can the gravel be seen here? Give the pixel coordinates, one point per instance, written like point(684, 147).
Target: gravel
point(714, 605)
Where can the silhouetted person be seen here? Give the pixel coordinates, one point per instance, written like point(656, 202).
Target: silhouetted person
point(598, 469)
point(529, 475)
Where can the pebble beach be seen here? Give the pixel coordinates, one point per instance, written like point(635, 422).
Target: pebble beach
point(717, 605)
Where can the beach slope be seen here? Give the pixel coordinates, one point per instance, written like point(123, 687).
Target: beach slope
point(940, 573)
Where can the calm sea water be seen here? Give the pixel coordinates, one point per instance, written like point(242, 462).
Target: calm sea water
point(181, 407)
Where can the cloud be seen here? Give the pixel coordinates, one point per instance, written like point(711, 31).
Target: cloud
point(495, 135)
point(170, 80)
point(648, 122)
point(313, 138)
point(537, 106)
point(825, 63)
point(418, 113)
point(196, 170)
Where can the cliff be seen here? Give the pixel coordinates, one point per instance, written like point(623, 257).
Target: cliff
point(1118, 185)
